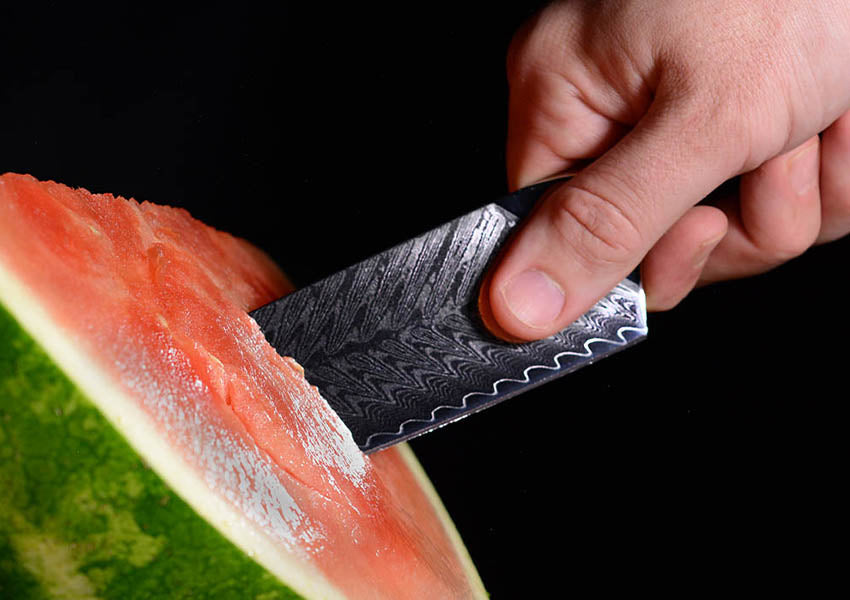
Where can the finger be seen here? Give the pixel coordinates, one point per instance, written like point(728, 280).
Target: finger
point(589, 233)
point(835, 181)
point(550, 128)
point(776, 218)
point(673, 266)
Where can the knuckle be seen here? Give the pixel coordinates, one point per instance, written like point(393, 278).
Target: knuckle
point(514, 58)
point(777, 249)
point(839, 205)
point(539, 44)
point(524, 52)
point(597, 230)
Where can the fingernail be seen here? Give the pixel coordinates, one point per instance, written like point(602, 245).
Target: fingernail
point(534, 298)
point(803, 169)
point(705, 249)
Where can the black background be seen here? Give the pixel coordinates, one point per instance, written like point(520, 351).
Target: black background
point(711, 452)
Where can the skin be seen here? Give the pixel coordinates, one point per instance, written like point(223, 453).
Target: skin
point(657, 104)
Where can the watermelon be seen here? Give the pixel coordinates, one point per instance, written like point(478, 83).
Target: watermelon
point(152, 444)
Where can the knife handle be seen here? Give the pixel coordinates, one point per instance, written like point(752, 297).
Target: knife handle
point(522, 202)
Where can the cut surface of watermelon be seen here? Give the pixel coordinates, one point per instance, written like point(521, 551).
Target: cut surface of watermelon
point(176, 433)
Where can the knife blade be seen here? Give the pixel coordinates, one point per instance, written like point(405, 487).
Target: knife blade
point(396, 344)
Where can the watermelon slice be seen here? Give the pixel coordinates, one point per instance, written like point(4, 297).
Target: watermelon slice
point(152, 444)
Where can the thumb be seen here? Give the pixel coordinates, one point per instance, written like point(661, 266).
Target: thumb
point(587, 234)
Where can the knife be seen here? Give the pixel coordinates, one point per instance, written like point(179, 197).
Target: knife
point(396, 344)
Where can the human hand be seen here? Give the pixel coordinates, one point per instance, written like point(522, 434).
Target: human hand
point(670, 100)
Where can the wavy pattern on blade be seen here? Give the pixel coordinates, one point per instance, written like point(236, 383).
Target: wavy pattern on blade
point(396, 344)
point(557, 365)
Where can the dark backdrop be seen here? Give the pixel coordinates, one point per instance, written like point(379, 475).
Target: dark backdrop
point(324, 135)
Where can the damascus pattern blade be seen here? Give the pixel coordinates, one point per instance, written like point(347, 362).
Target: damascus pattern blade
point(396, 345)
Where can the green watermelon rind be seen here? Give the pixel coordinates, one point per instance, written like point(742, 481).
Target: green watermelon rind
point(82, 515)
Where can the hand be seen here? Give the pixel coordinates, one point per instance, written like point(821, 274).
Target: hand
point(669, 100)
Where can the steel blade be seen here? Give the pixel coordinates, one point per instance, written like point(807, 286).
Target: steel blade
point(396, 344)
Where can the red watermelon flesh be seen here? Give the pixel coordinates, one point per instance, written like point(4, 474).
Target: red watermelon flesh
point(158, 302)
